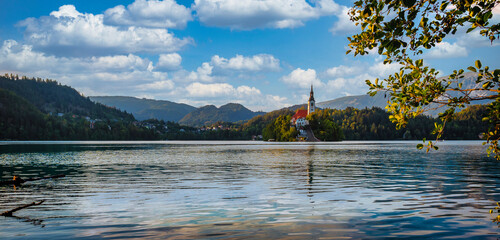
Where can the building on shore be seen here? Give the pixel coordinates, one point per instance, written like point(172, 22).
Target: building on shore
point(299, 119)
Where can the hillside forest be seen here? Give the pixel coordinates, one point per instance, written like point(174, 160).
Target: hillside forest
point(38, 109)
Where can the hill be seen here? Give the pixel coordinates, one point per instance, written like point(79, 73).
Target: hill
point(380, 99)
point(143, 109)
point(28, 107)
point(359, 102)
point(231, 112)
point(49, 96)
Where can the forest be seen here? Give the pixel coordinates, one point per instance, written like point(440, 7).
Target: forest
point(37, 109)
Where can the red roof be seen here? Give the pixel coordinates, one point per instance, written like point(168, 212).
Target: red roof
point(301, 113)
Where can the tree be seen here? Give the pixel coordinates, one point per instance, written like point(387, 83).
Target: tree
point(321, 122)
point(401, 30)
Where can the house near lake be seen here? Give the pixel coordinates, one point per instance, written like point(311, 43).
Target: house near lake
point(299, 118)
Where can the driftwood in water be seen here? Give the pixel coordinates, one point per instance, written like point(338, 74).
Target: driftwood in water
point(16, 180)
point(9, 213)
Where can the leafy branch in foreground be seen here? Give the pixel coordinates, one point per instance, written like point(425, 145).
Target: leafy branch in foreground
point(400, 30)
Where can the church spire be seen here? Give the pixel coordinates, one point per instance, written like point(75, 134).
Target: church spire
point(311, 106)
point(311, 95)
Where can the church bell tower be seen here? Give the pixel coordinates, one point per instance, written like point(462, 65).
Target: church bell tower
point(311, 106)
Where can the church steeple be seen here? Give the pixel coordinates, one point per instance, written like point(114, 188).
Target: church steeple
point(311, 94)
point(311, 106)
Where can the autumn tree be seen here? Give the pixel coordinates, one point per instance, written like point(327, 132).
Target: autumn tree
point(401, 30)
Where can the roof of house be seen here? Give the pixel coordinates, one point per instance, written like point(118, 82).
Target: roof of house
point(301, 113)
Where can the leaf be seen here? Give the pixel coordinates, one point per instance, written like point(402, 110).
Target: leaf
point(409, 3)
point(478, 64)
point(420, 146)
point(472, 69)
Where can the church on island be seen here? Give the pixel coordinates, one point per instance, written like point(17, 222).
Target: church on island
point(300, 122)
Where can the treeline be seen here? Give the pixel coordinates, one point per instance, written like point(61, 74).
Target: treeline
point(37, 109)
point(373, 124)
point(21, 120)
point(49, 96)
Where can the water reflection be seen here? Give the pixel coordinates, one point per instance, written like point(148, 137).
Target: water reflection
point(287, 191)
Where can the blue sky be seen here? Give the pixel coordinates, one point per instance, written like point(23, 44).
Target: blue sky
point(263, 54)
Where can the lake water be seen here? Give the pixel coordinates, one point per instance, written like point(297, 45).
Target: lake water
point(249, 190)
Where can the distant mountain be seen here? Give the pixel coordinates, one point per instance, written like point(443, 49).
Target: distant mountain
point(359, 102)
point(49, 96)
point(231, 112)
point(380, 99)
point(143, 109)
point(37, 109)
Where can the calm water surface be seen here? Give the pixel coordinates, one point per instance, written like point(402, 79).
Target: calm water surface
point(249, 190)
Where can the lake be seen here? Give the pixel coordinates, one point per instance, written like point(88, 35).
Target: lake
point(249, 190)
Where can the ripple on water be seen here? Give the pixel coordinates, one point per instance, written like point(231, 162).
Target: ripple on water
point(218, 191)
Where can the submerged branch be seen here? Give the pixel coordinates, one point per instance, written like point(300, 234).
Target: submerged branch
point(9, 213)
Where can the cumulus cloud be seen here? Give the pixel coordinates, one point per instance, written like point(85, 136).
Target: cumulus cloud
point(169, 62)
point(350, 80)
point(300, 78)
point(447, 50)
point(256, 63)
point(220, 89)
point(222, 93)
point(342, 71)
point(380, 69)
point(68, 32)
point(149, 13)
point(118, 74)
point(20, 57)
point(251, 14)
point(344, 25)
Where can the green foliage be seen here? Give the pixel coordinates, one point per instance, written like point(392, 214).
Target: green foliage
point(324, 127)
point(22, 119)
point(51, 97)
point(402, 30)
point(256, 125)
point(280, 130)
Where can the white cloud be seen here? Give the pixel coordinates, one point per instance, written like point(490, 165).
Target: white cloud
point(23, 58)
point(350, 80)
point(203, 73)
point(222, 93)
point(251, 14)
point(219, 68)
point(66, 11)
point(169, 62)
point(447, 50)
point(149, 13)
point(379, 69)
point(300, 78)
point(119, 74)
point(344, 25)
point(68, 33)
point(342, 71)
point(220, 90)
point(354, 85)
point(247, 91)
point(157, 86)
point(256, 63)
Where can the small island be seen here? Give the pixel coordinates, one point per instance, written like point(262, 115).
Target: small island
point(304, 125)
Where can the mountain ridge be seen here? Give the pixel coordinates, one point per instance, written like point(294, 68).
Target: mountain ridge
point(209, 114)
point(144, 109)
